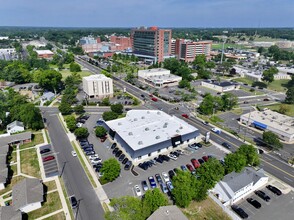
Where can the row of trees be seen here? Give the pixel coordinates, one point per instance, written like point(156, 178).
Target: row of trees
point(211, 104)
point(188, 187)
point(116, 110)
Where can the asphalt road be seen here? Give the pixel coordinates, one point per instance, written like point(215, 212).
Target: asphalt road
point(73, 175)
point(270, 164)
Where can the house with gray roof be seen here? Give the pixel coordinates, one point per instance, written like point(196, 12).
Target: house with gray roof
point(171, 212)
point(28, 195)
point(3, 165)
point(235, 186)
point(20, 138)
point(14, 127)
point(7, 212)
point(48, 96)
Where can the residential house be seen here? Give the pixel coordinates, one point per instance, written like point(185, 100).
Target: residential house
point(48, 96)
point(7, 212)
point(171, 212)
point(15, 127)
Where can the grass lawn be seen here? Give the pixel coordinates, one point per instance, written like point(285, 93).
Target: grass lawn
point(36, 139)
point(65, 73)
point(58, 216)
point(220, 46)
point(14, 180)
point(206, 209)
point(66, 198)
point(279, 85)
point(51, 185)
point(256, 92)
point(13, 156)
point(29, 163)
point(52, 204)
point(276, 107)
point(244, 80)
point(14, 169)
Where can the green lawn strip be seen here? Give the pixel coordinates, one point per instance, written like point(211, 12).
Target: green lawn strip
point(255, 92)
point(84, 165)
point(66, 198)
point(51, 204)
point(244, 80)
point(47, 136)
point(7, 196)
point(14, 180)
point(14, 169)
point(36, 139)
point(51, 185)
point(29, 163)
point(65, 73)
point(58, 216)
point(276, 107)
point(279, 85)
point(206, 209)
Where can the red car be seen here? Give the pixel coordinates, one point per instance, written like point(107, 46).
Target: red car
point(154, 99)
point(205, 158)
point(185, 116)
point(189, 166)
point(150, 95)
point(195, 163)
point(48, 158)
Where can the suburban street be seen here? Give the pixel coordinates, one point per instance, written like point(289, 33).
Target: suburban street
point(73, 175)
point(271, 164)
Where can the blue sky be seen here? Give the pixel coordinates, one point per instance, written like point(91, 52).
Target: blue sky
point(132, 13)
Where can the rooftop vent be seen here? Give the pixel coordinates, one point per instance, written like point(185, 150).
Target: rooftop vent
point(140, 142)
point(181, 127)
point(158, 112)
point(177, 131)
point(119, 123)
point(143, 117)
point(147, 129)
point(157, 137)
point(130, 133)
point(135, 119)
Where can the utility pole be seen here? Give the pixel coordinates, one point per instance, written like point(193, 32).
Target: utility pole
point(247, 126)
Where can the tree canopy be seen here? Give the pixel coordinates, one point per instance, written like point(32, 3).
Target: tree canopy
point(117, 108)
point(271, 140)
point(81, 132)
point(48, 79)
point(110, 170)
point(100, 131)
point(109, 115)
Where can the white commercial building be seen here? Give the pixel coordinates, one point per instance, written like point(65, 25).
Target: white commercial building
point(281, 125)
point(147, 133)
point(220, 86)
point(158, 77)
point(235, 186)
point(98, 86)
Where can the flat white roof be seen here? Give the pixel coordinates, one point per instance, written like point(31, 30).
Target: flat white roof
point(143, 128)
point(96, 77)
point(41, 52)
point(273, 119)
point(154, 70)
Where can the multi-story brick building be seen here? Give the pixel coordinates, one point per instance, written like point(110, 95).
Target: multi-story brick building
point(151, 44)
point(121, 43)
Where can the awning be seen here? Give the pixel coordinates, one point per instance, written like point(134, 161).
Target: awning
point(259, 125)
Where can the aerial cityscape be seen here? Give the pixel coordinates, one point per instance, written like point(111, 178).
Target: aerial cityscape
point(147, 110)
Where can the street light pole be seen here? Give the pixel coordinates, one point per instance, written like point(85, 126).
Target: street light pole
point(62, 168)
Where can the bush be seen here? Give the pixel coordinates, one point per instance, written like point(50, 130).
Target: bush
point(81, 132)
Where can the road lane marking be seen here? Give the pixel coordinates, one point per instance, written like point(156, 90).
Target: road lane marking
point(277, 168)
point(288, 179)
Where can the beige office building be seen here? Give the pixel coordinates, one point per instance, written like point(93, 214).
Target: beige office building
point(98, 86)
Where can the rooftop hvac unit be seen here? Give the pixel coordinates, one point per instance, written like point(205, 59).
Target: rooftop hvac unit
point(147, 129)
point(143, 117)
point(157, 137)
point(130, 133)
point(119, 123)
point(140, 142)
point(135, 119)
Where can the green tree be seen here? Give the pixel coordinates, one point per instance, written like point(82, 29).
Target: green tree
point(117, 108)
point(74, 67)
point(210, 65)
point(16, 72)
point(110, 170)
point(126, 208)
point(79, 109)
point(107, 116)
point(234, 162)
point(200, 61)
point(203, 74)
point(184, 84)
point(71, 123)
point(250, 152)
point(290, 96)
point(284, 108)
point(153, 199)
point(48, 79)
point(268, 75)
point(100, 131)
point(261, 50)
point(105, 102)
point(81, 132)
point(229, 101)
point(182, 192)
point(271, 140)
point(30, 115)
point(65, 108)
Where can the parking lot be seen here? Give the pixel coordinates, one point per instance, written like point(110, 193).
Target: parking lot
point(50, 167)
point(279, 207)
point(240, 93)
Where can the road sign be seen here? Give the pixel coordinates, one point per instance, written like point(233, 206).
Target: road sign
point(207, 137)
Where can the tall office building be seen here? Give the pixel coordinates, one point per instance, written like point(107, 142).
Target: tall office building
point(151, 44)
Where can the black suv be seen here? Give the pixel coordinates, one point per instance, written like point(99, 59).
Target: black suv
point(113, 146)
point(128, 165)
point(115, 150)
point(117, 154)
point(239, 211)
point(144, 166)
point(262, 195)
point(275, 190)
point(254, 202)
point(73, 202)
point(226, 145)
point(46, 150)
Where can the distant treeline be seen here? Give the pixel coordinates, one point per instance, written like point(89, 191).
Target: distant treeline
point(70, 35)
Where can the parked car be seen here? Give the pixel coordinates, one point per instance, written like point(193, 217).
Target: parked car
point(46, 150)
point(180, 152)
point(193, 146)
point(169, 185)
point(190, 168)
point(91, 157)
point(254, 202)
point(138, 190)
point(158, 159)
point(125, 160)
point(73, 202)
point(275, 190)
point(88, 149)
point(205, 158)
point(128, 165)
point(226, 145)
point(177, 154)
point(171, 174)
point(263, 195)
point(240, 211)
point(115, 150)
point(143, 166)
point(152, 182)
point(164, 157)
point(172, 156)
point(121, 157)
point(185, 116)
point(153, 162)
point(163, 188)
point(195, 163)
point(158, 178)
point(205, 122)
point(216, 130)
point(73, 153)
point(201, 161)
point(154, 99)
point(89, 153)
point(165, 177)
point(266, 100)
point(144, 185)
point(48, 158)
point(184, 168)
point(113, 146)
point(118, 153)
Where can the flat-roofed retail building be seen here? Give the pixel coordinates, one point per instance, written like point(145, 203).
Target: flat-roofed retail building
point(148, 133)
point(281, 125)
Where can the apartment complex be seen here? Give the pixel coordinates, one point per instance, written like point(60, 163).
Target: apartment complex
point(151, 44)
point(187, 50)
point(98, 86)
